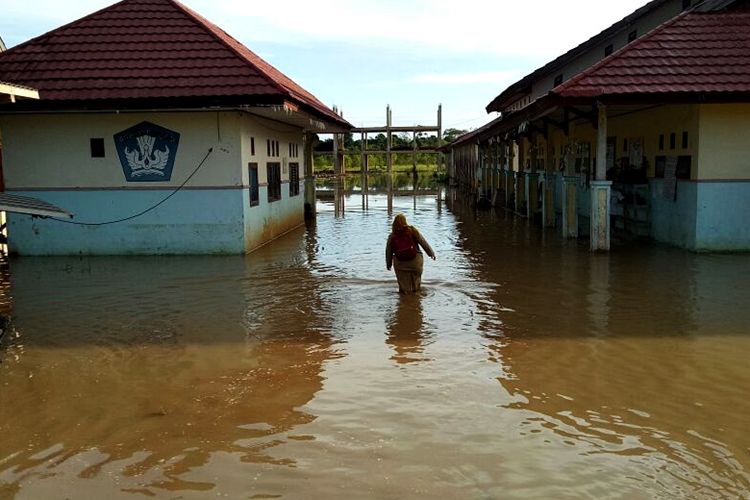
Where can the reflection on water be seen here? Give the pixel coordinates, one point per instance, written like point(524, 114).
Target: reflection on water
point(405, 330)
point(527, 367)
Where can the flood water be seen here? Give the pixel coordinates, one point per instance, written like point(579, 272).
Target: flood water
point(527, 368)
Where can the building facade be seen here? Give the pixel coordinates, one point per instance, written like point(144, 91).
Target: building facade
point(642, 143)
point(200, 149)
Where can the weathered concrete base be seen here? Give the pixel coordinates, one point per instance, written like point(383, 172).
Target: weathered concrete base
point(599, 235)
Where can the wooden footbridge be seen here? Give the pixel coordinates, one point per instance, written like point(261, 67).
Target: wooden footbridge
point(339, 151)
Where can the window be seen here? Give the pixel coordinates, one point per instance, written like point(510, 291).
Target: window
point(558, 80)
point(685, 141)
point(632, 36)
point(293, 179)
point(661, 142)
point(252, 147)
point(253, 178)
point(608, 50)
point(672, 140)
point(682, 170)
point(274, 181)
point(97, 148)
point(272, 148)
point(293, 150)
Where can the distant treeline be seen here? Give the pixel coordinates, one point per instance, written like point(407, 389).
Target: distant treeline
point(400, 142)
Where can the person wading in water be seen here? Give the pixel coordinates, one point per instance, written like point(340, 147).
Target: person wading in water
point(403, 253)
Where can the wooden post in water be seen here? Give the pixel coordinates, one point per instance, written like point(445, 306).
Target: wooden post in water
point(414, 154)
point(388, 145)
point(336, 165)
point(440, 157)
point(308, 144)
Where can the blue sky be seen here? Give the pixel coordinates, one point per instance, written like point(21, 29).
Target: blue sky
point(362, 56)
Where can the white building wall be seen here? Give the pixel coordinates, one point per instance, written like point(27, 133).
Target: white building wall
point(49, 157)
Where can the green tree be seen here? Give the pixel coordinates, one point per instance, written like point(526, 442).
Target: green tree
point(451, 134)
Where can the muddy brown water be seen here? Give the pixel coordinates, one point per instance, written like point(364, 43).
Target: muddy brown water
point(527, 368)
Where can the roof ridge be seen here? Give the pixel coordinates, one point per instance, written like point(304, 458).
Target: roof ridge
point(634, 45)
point(273, 75)
point(212, 28)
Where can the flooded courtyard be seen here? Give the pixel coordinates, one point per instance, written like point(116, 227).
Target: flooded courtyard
point(526, 368)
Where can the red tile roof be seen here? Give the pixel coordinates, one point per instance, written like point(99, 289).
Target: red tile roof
point(694, 53)
point(146, 50)
point(524, 85)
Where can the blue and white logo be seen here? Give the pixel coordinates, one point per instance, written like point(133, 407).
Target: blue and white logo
point(147, 152)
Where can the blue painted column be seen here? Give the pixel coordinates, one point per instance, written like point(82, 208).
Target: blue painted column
point(569, 207)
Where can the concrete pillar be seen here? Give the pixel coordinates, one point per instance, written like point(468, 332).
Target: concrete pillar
point(507, 186)
point(337, 157)
point(532, 194)
point(310, 202)
point(569, 207)
point(521, 192)
point(600, 237)
point(600, 189)
point(548, 200)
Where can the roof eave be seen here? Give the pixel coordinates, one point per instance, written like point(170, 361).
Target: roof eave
point(634, 98)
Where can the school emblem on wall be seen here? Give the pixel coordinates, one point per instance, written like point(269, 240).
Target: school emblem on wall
point(147, 152)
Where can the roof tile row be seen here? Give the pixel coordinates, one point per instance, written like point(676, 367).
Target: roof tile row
point(693, 53)
point(138, 49)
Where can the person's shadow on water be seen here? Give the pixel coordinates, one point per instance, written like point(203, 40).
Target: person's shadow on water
point(406, 334)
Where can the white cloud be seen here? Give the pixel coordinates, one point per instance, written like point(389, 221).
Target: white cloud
point(533, 28)
point(495, 77)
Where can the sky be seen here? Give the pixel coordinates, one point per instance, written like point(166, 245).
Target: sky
point(362, 56)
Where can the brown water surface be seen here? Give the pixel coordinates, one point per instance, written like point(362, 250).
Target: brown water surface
point(527, 368)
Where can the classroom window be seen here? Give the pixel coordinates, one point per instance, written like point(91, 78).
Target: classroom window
point(273, 170)
point(97, 148)
point(252, 146)
point(682, 169)
point(272, 148)
point(661, 142)
point(293, 179)
point(253, 178)
point(672, 140)
point(608, 50)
